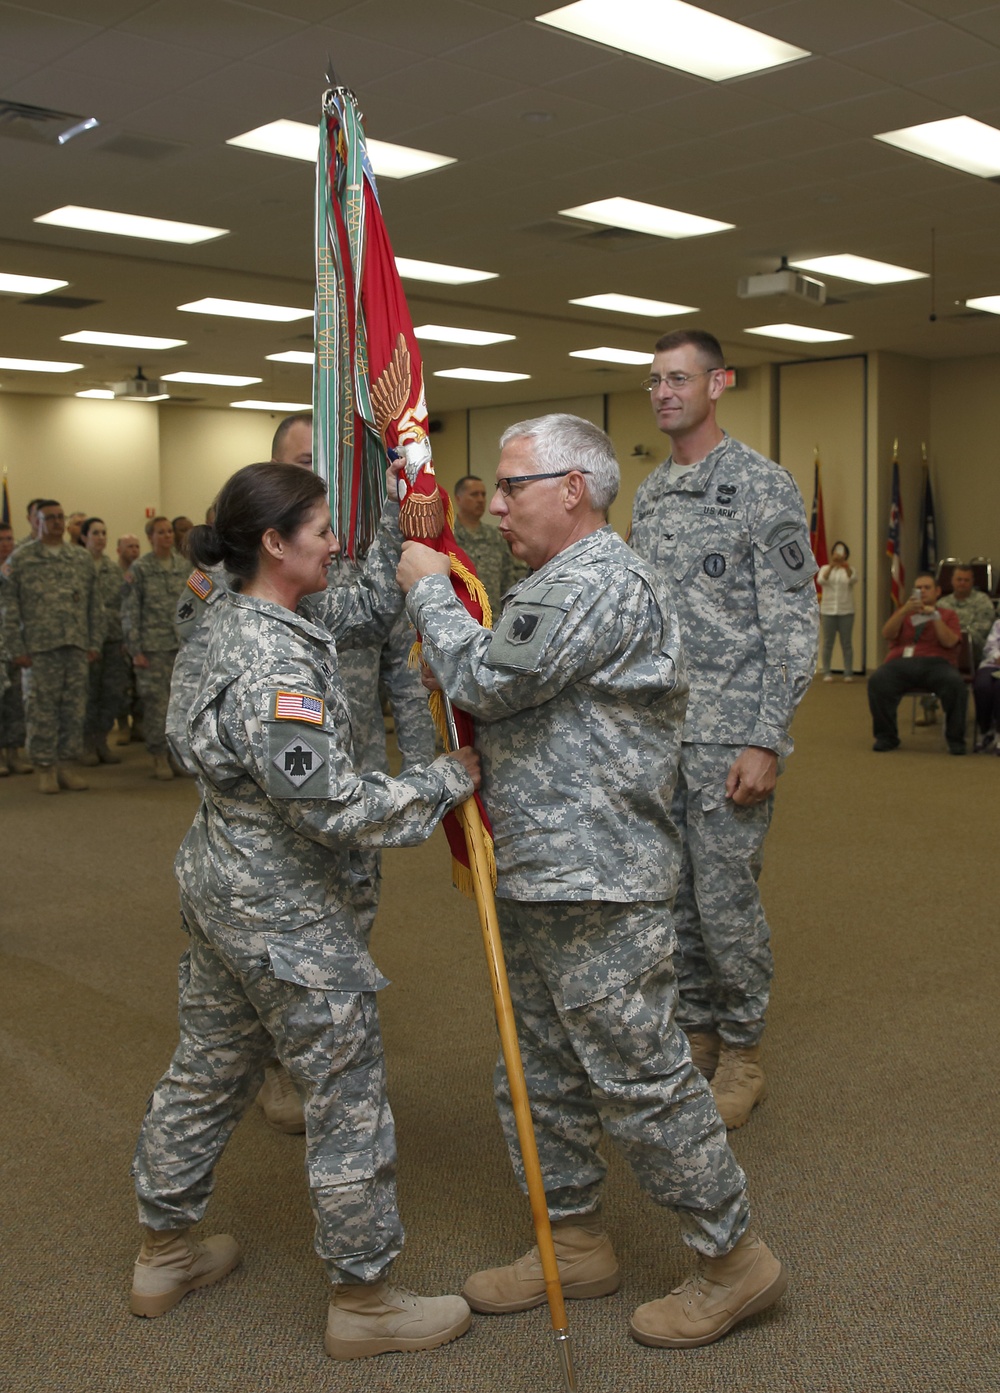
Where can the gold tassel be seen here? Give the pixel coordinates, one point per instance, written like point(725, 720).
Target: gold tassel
point(476, 589)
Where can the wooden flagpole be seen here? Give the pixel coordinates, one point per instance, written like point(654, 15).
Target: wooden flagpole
point(475, 841)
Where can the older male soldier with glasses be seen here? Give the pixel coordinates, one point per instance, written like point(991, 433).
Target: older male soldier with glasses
point(578, 695)
point(726, 529)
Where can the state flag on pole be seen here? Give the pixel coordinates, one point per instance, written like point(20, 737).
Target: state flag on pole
point(893, 542)
point(817, 522)
point(928, 528)
point(5, 511)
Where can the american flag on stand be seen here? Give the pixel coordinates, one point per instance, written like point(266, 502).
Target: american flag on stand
point(893, 544)
point(817, 522)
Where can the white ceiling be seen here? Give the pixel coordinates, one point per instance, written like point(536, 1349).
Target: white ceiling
point(537, 121)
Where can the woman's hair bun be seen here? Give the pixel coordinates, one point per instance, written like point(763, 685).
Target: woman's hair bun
point(205, 545)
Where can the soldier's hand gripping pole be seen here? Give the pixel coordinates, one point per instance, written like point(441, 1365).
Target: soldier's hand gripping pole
point(475, 842)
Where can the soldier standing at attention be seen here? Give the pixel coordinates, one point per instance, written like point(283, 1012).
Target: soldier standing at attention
point(579, 697)
point(109, 674)
point(482, 543)
point(726, 529)
point(152, 588)
point(52, 631)
point(11, 700)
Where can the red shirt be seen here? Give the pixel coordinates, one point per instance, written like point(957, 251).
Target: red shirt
point(926, 644)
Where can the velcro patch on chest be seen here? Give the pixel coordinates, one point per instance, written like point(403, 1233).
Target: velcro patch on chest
point(526, 625)
point(298, 706)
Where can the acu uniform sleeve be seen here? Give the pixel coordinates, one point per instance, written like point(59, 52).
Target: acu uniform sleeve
point(787, 610)
point(132, 610)
point(297, 756)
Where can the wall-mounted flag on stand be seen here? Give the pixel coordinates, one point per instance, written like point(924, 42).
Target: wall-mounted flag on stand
point(893, 541)
point(817, 521)
point(928, 524)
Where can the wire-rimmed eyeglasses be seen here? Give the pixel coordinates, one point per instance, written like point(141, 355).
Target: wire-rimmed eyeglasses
point(504, 485)
point(676, 381)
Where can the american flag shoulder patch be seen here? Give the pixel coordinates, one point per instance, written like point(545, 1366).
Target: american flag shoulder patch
point(201, 584)
point(298, 706)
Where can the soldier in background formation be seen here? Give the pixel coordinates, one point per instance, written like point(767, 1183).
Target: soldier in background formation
point(153, 586)
point(51, 632)
point(495, 566)
point(579, 696)
point(12, 732)
point(109, 671)
point(277, 957)
point(726, 528)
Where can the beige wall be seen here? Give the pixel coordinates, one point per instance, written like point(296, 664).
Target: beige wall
point(964, 433)
point(99, 457)
point(199, 449)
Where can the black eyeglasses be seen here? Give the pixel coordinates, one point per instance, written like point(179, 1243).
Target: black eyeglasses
point(677, 381)
point(504, 485)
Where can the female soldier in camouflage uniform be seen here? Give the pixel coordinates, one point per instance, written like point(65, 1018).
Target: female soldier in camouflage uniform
point(278, 961)
point(108, 675)
point(153, 586)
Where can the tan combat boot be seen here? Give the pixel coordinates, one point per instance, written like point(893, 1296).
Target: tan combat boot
point(380, 1319)
point(171, 1263)
point(48, 782)
point(104, 752)
point(725, 1291)
point(15, 763)
point(90, 758)
point(69, 780)
point(705, 1045)
point(161, 768)
point(739, 1084)
point(587, 1267)
point(280, 1099)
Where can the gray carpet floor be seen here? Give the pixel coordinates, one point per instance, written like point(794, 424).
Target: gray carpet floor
point(872, 1163)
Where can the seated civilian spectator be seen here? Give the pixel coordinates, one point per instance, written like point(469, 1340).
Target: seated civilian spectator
point(986, 691)
point(923, 656)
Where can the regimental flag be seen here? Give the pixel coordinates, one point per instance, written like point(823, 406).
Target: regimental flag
point(928, 528)
point(368, 388)
point(817, 522)
point(5, 506)
point(893, 541)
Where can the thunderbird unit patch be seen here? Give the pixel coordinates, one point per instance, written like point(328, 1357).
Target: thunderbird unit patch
point(298, 706)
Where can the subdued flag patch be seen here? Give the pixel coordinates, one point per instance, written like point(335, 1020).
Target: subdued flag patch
point(298, 706)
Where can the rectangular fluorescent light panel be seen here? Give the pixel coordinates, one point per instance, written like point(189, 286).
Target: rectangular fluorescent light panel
point(210, 379)
point(634, 304)
point(644, 217)
point(37, 365)
point(483, 375)
point(614, 355)
point(244, 309)
point(477, 338)
point(989, 303)
point(120, 340)
point(298, 141)
point(250, 405)
point(293, 355)
point(439, 273)
point(27, 285)
point(676, 35)
point(798, 333)
point(958, 141)
point(860, 268)
point(97, 394)
point(130, 225)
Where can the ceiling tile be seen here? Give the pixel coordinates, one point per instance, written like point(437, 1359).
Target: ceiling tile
point(215, 26)
point(967, 92)
point(429, 90)
point(908, 58)
point(532, 54)
point(357, 60)
point(888, 110)
point(811, 83)
point(985, 23)
point(79, 91)
point(433, 26)
point(34, 38)
point(99, 12)
point(159, 67)
point(824, 27)
point(628, 84)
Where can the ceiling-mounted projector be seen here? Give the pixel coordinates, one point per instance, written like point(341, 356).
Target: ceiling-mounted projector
point(140, 388)
point(783, 282)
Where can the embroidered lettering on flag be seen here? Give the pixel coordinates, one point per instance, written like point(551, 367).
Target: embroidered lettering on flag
point(296, 706)
point(200, 584)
